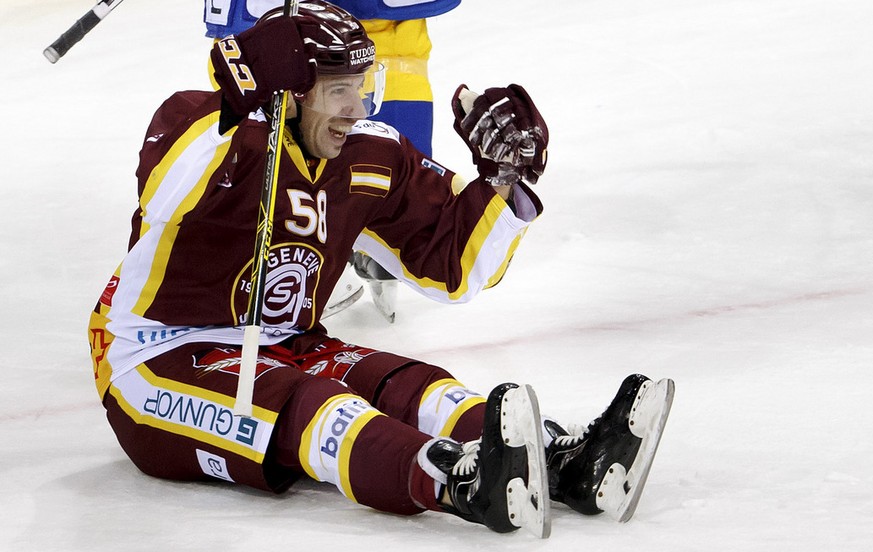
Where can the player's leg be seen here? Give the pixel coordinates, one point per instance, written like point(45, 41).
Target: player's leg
point(601, 468)
point(375, 460)
point(424, 396)
point(382, 284)
point(172, 417)
point(498, 480)
point(614, 453)
point(506, 441)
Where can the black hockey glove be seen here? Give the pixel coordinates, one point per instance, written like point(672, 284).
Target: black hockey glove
point(505, 132)
point(269, 57)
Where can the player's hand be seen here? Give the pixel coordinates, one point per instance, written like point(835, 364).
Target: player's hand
point(505, 132)
point(269, 57)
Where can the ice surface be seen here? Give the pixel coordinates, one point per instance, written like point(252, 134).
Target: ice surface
point(709, 217)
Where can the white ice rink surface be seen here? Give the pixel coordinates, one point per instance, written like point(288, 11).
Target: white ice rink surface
point(708, 217)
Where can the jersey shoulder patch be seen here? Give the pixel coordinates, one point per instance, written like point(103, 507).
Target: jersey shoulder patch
point(375, 128)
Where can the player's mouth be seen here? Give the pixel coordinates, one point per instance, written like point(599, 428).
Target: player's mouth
point(339, 133)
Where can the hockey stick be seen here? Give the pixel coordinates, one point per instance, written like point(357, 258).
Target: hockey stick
point(79, 29)
point(251, 336)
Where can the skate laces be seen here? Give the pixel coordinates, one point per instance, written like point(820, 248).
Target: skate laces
point(468, 461)
point(575, 435)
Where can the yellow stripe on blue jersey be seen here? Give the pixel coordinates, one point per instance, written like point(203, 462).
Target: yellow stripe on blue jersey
point(403, 47)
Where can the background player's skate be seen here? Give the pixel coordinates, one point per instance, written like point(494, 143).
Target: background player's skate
point(382, 285)
point(348, 289)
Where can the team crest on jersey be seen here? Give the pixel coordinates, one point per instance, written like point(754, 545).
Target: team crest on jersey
point(293, 270)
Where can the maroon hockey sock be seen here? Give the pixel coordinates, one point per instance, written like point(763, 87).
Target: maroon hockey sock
point(469, 425)
point(422, 488)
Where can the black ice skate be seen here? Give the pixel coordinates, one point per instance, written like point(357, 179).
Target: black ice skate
point(500, 479)
point(605, 468)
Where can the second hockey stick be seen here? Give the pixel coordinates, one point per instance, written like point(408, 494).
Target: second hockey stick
point(79, 29)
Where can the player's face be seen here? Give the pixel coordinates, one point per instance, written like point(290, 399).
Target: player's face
point(329, 110)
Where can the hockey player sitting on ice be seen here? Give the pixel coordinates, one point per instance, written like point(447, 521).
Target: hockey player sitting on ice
point(400, 35)
point(390, 432)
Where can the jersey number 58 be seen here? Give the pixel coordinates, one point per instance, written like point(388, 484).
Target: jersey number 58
point(310, 214)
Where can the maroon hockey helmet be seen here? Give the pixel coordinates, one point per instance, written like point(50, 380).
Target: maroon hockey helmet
point(342, 47)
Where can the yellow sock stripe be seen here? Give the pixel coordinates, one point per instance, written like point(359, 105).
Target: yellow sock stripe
point(314, 435)
point(432, 388)
point(433, 395)
point(307, 437)
point(466, 405)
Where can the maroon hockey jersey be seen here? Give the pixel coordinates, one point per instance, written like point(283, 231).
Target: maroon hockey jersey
point(187, 274)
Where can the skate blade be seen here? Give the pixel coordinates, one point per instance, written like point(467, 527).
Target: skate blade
point(343, 304)
point(620, 491)
point(528, 504)
point(384, 294)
